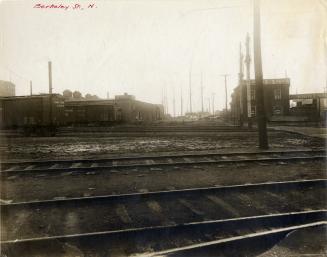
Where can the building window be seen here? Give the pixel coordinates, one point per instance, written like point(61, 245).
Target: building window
point(252, 110)
point(277, 110)
point(278, 93)
point(252, 93)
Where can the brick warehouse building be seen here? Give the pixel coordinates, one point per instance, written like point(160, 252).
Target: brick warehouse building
point(276, 98)
point(133, 110)
point(123, 108)
point(243, 104)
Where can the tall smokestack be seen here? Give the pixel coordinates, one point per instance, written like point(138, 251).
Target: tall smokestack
point(50, 77)
point(107, 95)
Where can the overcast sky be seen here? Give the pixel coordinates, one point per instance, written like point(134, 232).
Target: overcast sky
point(142, 46)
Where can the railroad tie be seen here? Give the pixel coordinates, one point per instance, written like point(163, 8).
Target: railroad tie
point(154, 206)
point(76, 165)
point(16, 167)
point(188, 160)
point(30, 167)
point(246, 199)
point(123, 214)
point(54, 166)
point(190, 207)
point(223, 204)
point(150, 162)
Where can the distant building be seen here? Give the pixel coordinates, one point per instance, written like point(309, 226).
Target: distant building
point(124, 108)
point(133, 110)
point(276, 93)
point(312, 107)
point(7, 88)
point(276, 99)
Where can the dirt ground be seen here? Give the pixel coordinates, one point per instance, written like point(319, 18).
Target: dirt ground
point(302, 242)
point(95, 147)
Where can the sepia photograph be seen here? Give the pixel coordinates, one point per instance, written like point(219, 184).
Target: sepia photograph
point(163, 128)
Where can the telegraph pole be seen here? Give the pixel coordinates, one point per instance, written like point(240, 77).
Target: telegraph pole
point(50, 91)
point(213, 103)
point(201, 93)
point(225, 75)
point(50, 77)
point(181, 101)
point(174, 110)
point(166, 99)
point(190, 85)
point(260, 113)
point(31, 88)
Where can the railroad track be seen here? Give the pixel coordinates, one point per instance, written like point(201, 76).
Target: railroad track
point(27, 167)
point(127, 129)
point(242, 245)
point(166, 220)
point(157, 209)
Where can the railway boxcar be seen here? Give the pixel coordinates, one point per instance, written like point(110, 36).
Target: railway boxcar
point(91, 112)
point(39, 114)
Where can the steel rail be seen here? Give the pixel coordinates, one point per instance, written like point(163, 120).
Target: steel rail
point(210, 154)
point(143, 195)
point(321, 220)
point(232, 239)
point(160, 164)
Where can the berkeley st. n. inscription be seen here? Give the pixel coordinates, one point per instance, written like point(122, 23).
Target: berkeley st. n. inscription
point(75, 6)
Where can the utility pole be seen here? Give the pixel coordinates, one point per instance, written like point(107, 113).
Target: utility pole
point(225, 75)
point(190, 85)
point(241, 97)
point(166, 99)
point(181, 101)
point(248, 101)
point(162, 100)
point(174, 110)
point(201, 92)
point(31, 88)
point(50, 77)
point(213, 103)
point(248, 57)
point(260, 113)
point(50, 92)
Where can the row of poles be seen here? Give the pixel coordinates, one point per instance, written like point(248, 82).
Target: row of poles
point(210, 102)
point(260, 107)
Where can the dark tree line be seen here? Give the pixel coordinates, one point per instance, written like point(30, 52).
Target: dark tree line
point(78, 95)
